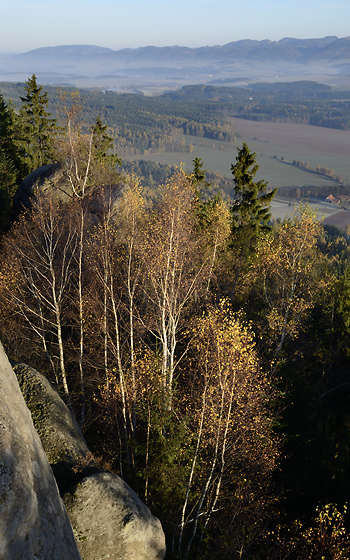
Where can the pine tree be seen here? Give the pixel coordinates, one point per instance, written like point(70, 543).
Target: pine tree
point(37, 127)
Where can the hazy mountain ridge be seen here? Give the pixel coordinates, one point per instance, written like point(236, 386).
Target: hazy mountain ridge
point(252, 59)
point(287, 48)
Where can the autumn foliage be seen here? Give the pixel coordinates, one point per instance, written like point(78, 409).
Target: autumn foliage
point(130, 307)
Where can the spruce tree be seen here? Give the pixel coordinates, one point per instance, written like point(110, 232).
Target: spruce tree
point(198, 174)
point(10, 161)
point(104, 145)
point(37, 127)
point(251, 208)
point(250, 214)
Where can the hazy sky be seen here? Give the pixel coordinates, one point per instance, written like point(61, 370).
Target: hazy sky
point(29, 24)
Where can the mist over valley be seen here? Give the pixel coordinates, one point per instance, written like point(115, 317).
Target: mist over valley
point(155, 69)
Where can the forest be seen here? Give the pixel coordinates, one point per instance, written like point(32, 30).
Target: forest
point(143, 125)
point(297, 102)
point(202, 347)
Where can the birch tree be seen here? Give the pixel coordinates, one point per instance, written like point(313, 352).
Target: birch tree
point(88, 169)
point(286, 272)
point(231, 422)
point(42, 248)
point(173, 267)
point(113, 288)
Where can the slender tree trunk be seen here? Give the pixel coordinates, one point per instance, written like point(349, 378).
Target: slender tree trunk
point(193, 466)
point(131, 295)
point(207, 482)
point(81, 314)
point(121, 373)
point(147, 451)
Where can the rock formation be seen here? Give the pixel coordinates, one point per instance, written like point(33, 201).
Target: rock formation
point(33, 520)
point(109, 520)
point(60, 435)
point(52, 179)
point(47, 177)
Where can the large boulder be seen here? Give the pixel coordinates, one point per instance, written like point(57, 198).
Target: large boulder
point(53, 180)
point(47, 178)
point(110, 521)
point(61, 437)
point(33, 519)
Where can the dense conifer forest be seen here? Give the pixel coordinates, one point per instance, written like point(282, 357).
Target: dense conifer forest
point(203, 348)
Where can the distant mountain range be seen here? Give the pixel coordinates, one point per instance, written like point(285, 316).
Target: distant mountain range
point(326, 59)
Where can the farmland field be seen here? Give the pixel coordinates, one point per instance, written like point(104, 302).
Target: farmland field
point(319, 146)
point(272, 141)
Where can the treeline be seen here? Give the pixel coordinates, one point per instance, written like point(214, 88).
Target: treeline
point(339, 188)
point(325, 171)
point(140, 124)
point(143, 125)
point(320, 192)
point(299, 102)
point(329, 115)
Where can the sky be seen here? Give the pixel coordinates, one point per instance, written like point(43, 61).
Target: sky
point(27, 25)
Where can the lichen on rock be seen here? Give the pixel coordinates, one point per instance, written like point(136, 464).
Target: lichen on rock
point(62, 439)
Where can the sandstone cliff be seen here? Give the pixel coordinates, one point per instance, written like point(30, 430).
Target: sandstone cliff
point(33, 520)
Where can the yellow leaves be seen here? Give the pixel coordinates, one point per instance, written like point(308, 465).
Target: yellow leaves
point(326, 538)
point(226, 356)
point(285, 272)
point(149, 380)
point(132, 203)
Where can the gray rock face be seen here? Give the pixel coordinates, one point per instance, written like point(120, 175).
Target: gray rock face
point(52, 179)
point(33, 520)
point(49, 177)
point(60, 435)
point(110, 521)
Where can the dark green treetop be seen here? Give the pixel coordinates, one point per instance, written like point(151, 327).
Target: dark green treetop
point(10, 160)
point(198, 174)
point(104, 145)
point(204, 205)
